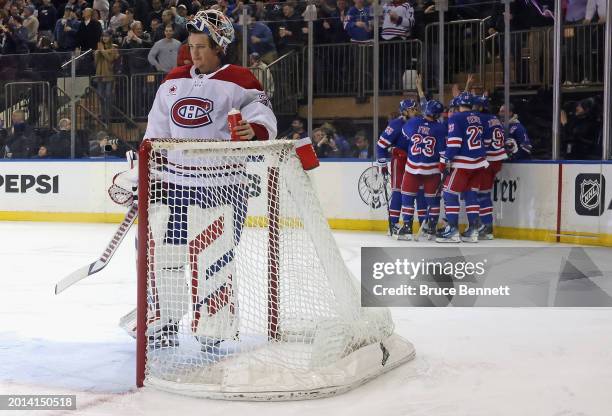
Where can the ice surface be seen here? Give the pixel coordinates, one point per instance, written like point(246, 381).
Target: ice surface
point(474, 362)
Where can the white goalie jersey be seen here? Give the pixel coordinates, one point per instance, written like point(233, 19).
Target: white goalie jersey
point(190, 105)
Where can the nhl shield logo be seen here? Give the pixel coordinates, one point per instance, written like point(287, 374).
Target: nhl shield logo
point(590, 191)
point(589, 194)
point(371, 187)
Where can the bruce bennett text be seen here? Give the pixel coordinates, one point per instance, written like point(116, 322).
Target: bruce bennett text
point(425, 290)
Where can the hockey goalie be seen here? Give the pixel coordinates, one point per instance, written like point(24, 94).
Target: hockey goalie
point(193, 103)
point(242, 291)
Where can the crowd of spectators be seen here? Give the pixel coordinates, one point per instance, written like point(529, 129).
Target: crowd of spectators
point(273, 27)
point(22, 141)
point(330, 142)
point(139, 36)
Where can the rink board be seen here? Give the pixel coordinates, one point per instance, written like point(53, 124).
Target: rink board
point(545, 201)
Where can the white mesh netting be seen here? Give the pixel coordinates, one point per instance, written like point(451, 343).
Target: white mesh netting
point(248, 296)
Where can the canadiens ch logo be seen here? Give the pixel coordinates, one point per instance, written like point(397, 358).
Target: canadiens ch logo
point(192, 112)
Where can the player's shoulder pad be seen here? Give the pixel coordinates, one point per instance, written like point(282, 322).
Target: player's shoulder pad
point(456, 117)
point(238, 75)
point(396, 123)
point(493, 120)
point(516, 123)
point(418, 120)
point(413, 122)
point(439, 128)
point(178, 73)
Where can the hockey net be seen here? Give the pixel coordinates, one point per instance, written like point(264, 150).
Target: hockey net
point(242, 292)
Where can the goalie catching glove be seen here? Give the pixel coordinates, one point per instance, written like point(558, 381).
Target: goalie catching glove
point(124, 190)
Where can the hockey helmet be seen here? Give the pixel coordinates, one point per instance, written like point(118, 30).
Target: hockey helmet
point(465, 99)
point(214, 24)
point(433, 108)
point(482, 101)
point(407, 104)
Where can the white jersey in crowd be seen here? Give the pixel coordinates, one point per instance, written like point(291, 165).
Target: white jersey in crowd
point(190, 105)
point(403, 27)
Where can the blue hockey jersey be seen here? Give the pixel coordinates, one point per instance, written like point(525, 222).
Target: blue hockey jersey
point(356, 33)
point(517, 132)
point(391, 136)
point(425, 140)
point(464, 147)
point(493, 137)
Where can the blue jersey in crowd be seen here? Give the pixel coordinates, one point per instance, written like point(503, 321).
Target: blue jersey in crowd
point(424, 142)
point(464, 147)
point(356, 33)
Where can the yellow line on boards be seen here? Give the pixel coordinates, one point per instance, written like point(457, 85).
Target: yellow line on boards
point(512, 233)
point(61, 216)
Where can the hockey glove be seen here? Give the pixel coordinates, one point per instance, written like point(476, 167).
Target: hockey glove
point(383, 169)
point(511, 147)
point(445, 166)
point(124, 190)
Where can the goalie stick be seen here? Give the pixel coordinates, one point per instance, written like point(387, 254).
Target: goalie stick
point(108, 253)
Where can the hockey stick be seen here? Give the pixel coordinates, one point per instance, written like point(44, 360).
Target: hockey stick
point(438, 190)
point(385, 179)
point(108, 253)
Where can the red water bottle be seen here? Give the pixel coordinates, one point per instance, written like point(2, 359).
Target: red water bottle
point(306, 153)
point(234, 117)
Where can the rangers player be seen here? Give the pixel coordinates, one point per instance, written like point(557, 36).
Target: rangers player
point(392, 140)
point(464, 158)
point(425, 138)
point(493, 139)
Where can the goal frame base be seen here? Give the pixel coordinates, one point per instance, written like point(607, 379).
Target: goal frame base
point(352, 371)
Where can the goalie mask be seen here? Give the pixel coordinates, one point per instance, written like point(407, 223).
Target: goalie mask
point(214, 24)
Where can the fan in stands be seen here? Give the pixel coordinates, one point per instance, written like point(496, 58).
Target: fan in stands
point(242, 291)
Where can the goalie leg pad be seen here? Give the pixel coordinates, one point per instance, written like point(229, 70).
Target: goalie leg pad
point(168, 289)
point(178, 198)
point(201, 231)
point(211, 259)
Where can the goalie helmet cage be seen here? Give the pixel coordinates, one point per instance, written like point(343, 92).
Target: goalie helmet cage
point(242, 292)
